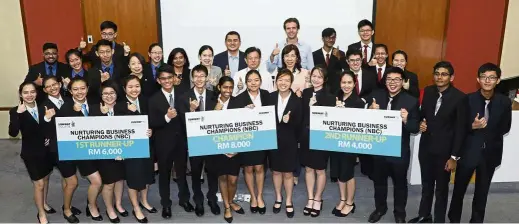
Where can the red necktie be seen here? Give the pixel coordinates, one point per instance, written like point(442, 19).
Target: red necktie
point(356, 84)
point(365, 59)
point(379, 74)
point(327, 59)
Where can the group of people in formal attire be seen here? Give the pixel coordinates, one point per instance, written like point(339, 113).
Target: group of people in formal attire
point(458, 131)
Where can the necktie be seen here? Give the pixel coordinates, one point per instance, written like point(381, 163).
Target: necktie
point(84, 110)
point(327, 59)
point(60, 103)
point(110, 113)
point(389, 103)
point(171, 101)
point(438, 104)
point(487, 112)
point(201, 104)
point(34, 115)
point(365, 59)
point(356, 84)
point(136, 102)
point(107, 69)
point(51, 72)
point(379, 74)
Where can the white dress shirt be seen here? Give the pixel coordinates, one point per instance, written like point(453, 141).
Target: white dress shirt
point(282, 104)
point(256, 100)
point(33, 110)
point(86, 106)
point(136, 103)
point(225, 104)
point(56, 101)
point(198, 97)
point(266, 80)
point(369, 50)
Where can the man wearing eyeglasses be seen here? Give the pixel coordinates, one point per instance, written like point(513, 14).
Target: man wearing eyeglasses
point(106, 69)
point(50, 66)
point(365, 45)
point(490, 116)
point(443, 125)
point(108, 32)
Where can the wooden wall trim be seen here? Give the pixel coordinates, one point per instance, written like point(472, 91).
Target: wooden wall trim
point(24, 22)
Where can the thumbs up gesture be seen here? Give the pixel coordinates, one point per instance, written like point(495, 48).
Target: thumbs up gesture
point(313, 100)
point(77, 107)
point(126, 49)
point(132, 107)
point(21, 108)
point(404, 114)
point(227, 71)
point(193, 104)
point(104, 76)
point(479, 122)
point(219, 105)
point(423, 126)
point(406, 84)
point(336, 52)
point(286, 117)
point(82, 44)
point(172, 113)
point(275, 52)
point(338, 103)
point(374, 105)
point(373, 61)
point(298, 92)
point(39, 80)
point(66, 81)
point(104, 108)
point(49, 113)
point(240, 84)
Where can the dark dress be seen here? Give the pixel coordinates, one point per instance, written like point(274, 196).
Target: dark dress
point(256, 157)
point(315, 159)
point(111, 170)
point(284, 158)
point(138, 171)
point(223, 164)
point(34, 154)
point(85, 167)
point(342, 162)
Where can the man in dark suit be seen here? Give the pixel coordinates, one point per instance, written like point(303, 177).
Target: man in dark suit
point(365, 45)
point(50, 66)
point(150, 69)
point(330, 58)
point(490, 116)
point(366, 82)
point(232, 60)
point(443, 126)
point(109, 33)
point(394, 98)
point(381, 56)
point(201, 99)
point(167, 126)
point(106, 69)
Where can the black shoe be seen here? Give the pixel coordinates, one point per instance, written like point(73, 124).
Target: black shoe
point(335, 210)
point(115, 220)
point(199, 210)
point(152, 210)
point(88, 214)
point(376, 216)
point(277, 210)
point(228, 219)
point(123, 214)
point(144, 220)
point(290, 214)
point(254, 209)
point(239, 211)
point(50, 210)
point(166, 212)
point(314, 212)
point(38, 217)
point(421, 219)
point(263, 210)
point(71, 219)
point(215, 209)
point(188, 207)
point(399, 219)
point(338, 213)
point(73, 209)
point(334, 179)
point(307, 210)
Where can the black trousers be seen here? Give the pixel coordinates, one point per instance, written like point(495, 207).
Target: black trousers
point(366, 165)
point(197, 166)
point(166, 156)
point(397, 170)
point(435, 184)
point(484, 174)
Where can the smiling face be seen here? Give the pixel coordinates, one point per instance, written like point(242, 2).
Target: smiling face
point(105, 53)
point(135, 65)
point(199, 79)
point(488, 80)
point(317, 79)
point(79, 90)
point(226, 89)
point(253, 60)
point(355, 62)
point(232, 42)
point(133, 88)
point(206, 58)
point(179, 60)
point(365, 33)
point(253, 82)
point(52, 88)
point(108, 95)
point(330, 41)
point(394, 82)
point(156, 54)
point(283, 83)
point(166, 80)
point(50, 55)
point(290, 59)
point(380, 55)
point(442, 77)
point(347, 84)
point(28, 94)
point(75, 62)
point(291, 30)
point(108, 34)
point(399, 61)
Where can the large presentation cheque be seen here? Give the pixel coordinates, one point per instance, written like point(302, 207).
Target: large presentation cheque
point(374, 132)
point(106, 137)
point(229, 131)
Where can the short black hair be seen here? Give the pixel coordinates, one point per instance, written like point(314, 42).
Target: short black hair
point(50, 77)
point(153, 45)
point(107, 25)
point(291, 20)
point(382, 46)
point(199, 68)
point(252, 49)
point(76, 79)
point(252, 72)
point(50, 46)
point(285, 71)
point(26, 83)
point(104, 42)
point(205, 47)
point(232, 33)
point(399, 52)
point(164, 68)
point(365, 22)
point(353, 52)
point(109, 84)
point(139, 57)
point(328, 32)
point(394, 70)
point(72, 52)
point(489, 67)
point(129, 78)
point(444, 64)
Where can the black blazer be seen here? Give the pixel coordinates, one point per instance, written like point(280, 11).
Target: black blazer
point(68, 74)
point(67, 110)
point(334, 68)
point(222, 60)
point(358, 46)
point(401, 101)
point(122, 107)
point(414, 87)
point(447, 130)
point(486, 143)
point(324, 98)
point(288, 133)
point(369, 83)
point(37, 69)
point(94, 81)
point(209, 102)
point(50, 127)
point(243, 99)
point(33, 138)
point(118, 55)
point(382, 83)
point(163, 132)
point(150, 81)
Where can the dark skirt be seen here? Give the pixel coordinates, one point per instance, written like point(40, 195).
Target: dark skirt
point(253, 158)
point(66, 168)
point(37, 166)
point(87, 167)
point(223, 165)
point(139, 173)
point(345, 165)
point(315, 159)
point(283, 160)
point(111, 171)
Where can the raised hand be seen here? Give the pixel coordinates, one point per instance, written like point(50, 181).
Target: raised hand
point(286, 117)
point(66, 81)
point(21, 108)
point(423, 126)
point(373, 62)
point(374, 105)
point(313, 100)
point(126, 49)
point(227, 71)
point(149, 132)
point(104, 76)
point(172, 113)
point(299, 93)
point(250, 106)
point(275, 52)
point(132, 107)
point(338, 103)
point(336, 52)
point(82, 44)
point(406, 84)
point(404, 114)
point(193, 104)
point(240, 84)
point(219, 105)
point(77, 107)
point(49, 113)
point(39, 80)
point(479, 122)
point(104, 108)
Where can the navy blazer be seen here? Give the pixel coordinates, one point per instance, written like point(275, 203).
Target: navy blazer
point(37, 69)
point(334, 68)
point(486, 143)
point(33, 138)
point(222, 60)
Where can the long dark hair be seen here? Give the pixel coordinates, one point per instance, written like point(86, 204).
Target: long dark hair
point(287, 49)
point(175, 52)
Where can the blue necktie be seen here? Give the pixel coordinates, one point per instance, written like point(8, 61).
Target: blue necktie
point(34, 115)
point(84, 110)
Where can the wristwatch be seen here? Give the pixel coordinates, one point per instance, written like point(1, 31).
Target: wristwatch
point(455, 158)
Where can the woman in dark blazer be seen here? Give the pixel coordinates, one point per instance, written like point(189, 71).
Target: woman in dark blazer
point(283, 161)
point(254, 161)
point(79, 107)
point(346, 161)
point(27, 118)
point(411, 84)
point(55, 100)
point(315, 161)
point(75, 69)
point(180, 62)
point(112, 171)
point(138, 172)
